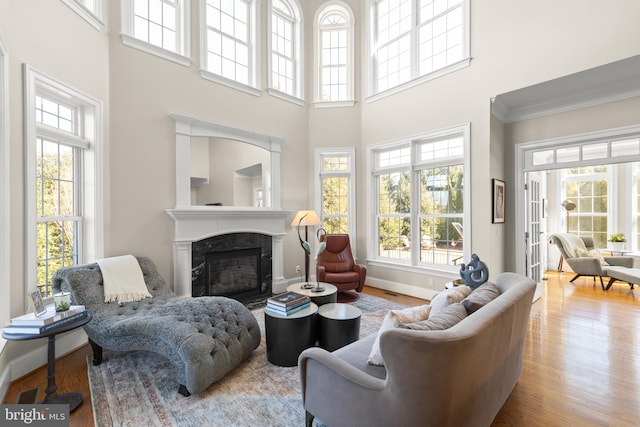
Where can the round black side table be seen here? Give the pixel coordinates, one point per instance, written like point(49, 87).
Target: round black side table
point(338, 325)
point(72, 399)
point(288, 336)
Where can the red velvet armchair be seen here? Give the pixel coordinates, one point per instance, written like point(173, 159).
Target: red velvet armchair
point(336, 264)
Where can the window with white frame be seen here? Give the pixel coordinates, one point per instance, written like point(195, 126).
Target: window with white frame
point(636, 206)
point(588, 188)
point(63, 169)
point(335, 169)
point(89, 10)
point(420, 198)
point(412, 39)
point(160, 27)
point(334, 32)
point(229, 43)
point(5, 223)
point(285, 62)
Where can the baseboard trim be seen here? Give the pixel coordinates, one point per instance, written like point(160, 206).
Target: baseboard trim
point(413, 291)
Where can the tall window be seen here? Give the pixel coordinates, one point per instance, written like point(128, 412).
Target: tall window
point(588, 188)
point(285, 75)
point(229, 42)
point(5, 223)
point(336, 171)
point(441, 199)
point(334, 55)
point(160, 27)
point(416, 38)
point(64, 212)
point(420, 199)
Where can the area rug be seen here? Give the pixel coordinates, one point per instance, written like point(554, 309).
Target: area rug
point(138, 388)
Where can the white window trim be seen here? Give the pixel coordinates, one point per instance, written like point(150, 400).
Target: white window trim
point(349, 152)
point(93, 245)
point(371, 94)
point(182, 57)
point(351, 57)
point(252, 89)
point(94, 19)
point(298, 97)
point(372, 243)
point(5, 213)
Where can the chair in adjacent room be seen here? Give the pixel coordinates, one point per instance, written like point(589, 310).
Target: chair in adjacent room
point(337, 266)
point(584, 259)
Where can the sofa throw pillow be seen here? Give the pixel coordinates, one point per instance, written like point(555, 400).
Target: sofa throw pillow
point(448, 296)
point(392, 320)
point(449, 316)
point(480, 297)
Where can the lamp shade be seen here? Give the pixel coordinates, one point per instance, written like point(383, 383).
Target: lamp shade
point(307, 217)
point(568, 205)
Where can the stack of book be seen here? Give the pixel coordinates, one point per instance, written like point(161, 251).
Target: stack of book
point(30, 324)
point(287, 303)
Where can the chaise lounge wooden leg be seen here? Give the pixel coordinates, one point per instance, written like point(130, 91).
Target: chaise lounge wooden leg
point(183, 391)
point(308, 418)
point(97, 353)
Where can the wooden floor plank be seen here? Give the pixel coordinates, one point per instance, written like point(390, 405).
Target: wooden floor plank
point(581, 367)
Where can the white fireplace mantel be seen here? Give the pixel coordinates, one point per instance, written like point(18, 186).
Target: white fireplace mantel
point(194, 223)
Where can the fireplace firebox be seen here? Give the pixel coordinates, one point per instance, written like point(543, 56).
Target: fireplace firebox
point(235, 265)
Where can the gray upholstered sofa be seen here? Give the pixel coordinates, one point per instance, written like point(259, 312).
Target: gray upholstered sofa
point(460, 376)
point(203, 337)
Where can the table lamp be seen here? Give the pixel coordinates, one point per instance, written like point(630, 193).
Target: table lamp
point(306, 218)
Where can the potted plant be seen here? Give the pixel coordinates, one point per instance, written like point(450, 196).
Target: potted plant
point(617, 242)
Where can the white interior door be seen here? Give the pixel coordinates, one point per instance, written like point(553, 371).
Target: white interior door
point(536, 248)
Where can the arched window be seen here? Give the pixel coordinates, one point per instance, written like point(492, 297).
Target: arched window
point(334, 34)
point(285, 62)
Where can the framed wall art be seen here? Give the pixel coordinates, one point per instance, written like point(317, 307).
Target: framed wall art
point(498, 201)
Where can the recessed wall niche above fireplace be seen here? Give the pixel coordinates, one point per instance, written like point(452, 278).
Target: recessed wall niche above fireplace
point(195, 223)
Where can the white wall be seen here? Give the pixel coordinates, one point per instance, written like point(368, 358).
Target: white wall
point(514, 45)
point(53, 39)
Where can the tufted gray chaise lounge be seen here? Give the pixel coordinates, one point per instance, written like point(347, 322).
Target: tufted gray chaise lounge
point(204, 337)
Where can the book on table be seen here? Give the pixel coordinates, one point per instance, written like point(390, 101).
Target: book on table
point(41, 329)
point(289, 307)
point(50, 316)
point(287, 299)
point(286, 312)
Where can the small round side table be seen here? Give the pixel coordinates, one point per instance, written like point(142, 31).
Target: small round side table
point(338, 325)
point(288, 336)
point(72, 399)
point(328, 295)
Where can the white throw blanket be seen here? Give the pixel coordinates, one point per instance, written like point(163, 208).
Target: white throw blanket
point(573, 245)
point(122, 278)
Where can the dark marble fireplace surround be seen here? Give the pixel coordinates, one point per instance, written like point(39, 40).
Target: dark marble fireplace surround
point(243, 255)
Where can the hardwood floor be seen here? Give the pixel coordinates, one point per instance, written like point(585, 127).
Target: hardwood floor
point(581, 368)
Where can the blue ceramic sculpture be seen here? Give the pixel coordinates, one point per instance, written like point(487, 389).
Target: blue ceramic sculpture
point(475, 273)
